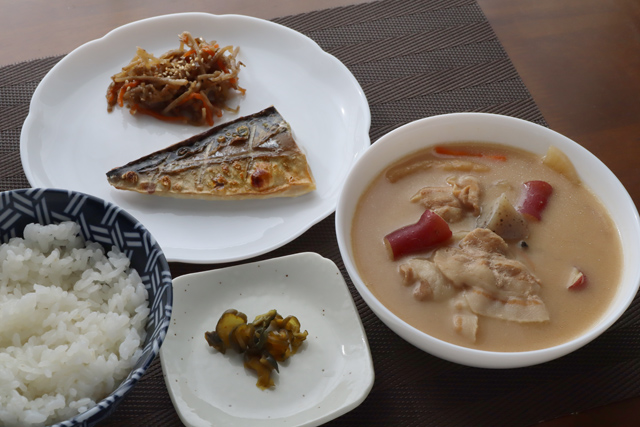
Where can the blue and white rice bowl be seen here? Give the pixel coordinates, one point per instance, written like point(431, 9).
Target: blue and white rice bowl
point(109, 226)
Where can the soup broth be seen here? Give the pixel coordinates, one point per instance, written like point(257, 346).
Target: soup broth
point(574, 234)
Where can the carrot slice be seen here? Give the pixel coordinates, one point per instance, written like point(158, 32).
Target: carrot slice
point(209, 50)
point(222, 66)
point(111, 95)
point(448, 151)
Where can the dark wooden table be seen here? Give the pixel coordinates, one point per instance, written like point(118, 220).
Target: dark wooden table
point(580, 59)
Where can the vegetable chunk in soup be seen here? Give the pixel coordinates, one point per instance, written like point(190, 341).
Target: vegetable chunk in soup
point(487, 246)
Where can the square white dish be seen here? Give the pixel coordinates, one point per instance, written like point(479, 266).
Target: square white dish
point(331, 374)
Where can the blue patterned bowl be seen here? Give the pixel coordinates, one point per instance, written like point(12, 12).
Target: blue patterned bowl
point(108, 225)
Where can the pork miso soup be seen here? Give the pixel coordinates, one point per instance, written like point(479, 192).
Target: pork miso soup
point(487, 246)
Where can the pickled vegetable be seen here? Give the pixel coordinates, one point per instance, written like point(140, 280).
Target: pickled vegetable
point(219, 339)
point(288, 333)
point(263, 368)
point(242, 337)
point(269, 339)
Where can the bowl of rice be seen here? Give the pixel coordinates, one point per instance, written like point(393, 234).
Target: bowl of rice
point(85, 304)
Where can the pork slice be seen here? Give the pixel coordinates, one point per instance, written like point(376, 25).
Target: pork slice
point(513, 277)
point(441, 201)
point(484, 240)
point(465, 322)
point(525, 309)
point(497, 286)
point(428, 281)
point(463, 268)
point(452, 202)
point(467, 190)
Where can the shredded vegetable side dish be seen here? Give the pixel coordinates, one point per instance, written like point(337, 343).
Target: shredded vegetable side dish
point(191, 84)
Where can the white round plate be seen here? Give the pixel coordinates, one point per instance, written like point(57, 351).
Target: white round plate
point(331, 373)
point(70, 141)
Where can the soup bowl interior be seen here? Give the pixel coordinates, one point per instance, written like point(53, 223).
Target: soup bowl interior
point(108, 225)
point(491, 128)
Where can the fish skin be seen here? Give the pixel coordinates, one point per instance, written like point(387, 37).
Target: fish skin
point(251, 157)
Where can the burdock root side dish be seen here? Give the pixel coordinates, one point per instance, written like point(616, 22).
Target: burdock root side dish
point(488, 247)
point(191, 84)
point(269, 339)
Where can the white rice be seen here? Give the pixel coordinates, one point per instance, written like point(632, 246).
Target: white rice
point(71, 324)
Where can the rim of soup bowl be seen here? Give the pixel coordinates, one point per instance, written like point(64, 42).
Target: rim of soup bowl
point(494, 128)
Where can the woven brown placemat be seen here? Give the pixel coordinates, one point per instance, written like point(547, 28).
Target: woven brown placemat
point(413, 58)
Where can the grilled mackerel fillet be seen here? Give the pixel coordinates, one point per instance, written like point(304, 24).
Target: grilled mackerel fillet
point(251, 157)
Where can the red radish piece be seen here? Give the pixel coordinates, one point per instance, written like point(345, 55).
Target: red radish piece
point(430, 230)
point(577, 280)
point(534, 201)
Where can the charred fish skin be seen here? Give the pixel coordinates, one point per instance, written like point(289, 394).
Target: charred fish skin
point(254, 156)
